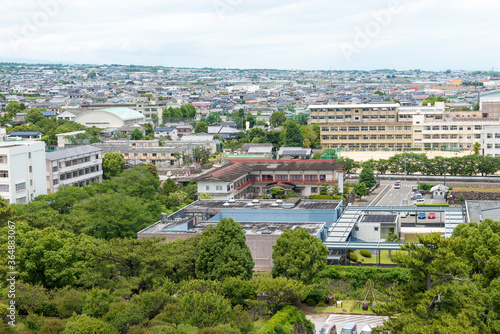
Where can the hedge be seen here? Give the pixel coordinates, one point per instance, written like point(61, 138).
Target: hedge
point(365, 253)
point(359, 275)
point(288, 320)
point(353, 257)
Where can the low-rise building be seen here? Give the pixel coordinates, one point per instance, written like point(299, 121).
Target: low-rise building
point(262, 220)
point(77, 166)
point(490, 141)
point(35, 135)
point(255, 178)
point(166, 132)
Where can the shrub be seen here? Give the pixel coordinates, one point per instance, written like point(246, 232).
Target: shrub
point(320, 197)
point(425, 186)
point(321, 304)
point(353, 257)
point(365, 253)
point(52, 326)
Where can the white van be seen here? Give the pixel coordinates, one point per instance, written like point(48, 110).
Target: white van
point(419, 201)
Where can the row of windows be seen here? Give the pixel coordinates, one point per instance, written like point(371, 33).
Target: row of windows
point(366, 137)
point(356, 118)
point(491, 145)
point(365, 128)
point(477, 136)
point(491, 135)
point(350, 109)
point(372, 146)
point(77, 173)
point(73, 162)
point(451, 127)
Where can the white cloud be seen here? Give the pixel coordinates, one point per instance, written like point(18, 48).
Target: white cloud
point(258, 33)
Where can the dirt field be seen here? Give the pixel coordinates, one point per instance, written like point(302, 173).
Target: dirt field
point(477, 189)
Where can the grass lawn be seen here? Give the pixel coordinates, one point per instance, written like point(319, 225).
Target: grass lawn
point(350, 305)
point(478, 189)
point(411, 238)
point(384, 257)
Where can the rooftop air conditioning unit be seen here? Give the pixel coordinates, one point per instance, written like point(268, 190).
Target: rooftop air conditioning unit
point(250, 204)
point(255, 201)
point(226, 204)
point(232, 201)
point(279, 201)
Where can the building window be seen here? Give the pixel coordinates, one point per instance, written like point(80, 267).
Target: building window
point(3, 159)
point(21, 200)
point(55, 181)
point(314, 190)
point(375, 228)
point(20, 186)
point(29, 155)
point(4, 188)
point(207, 188)
point(4, 173)
point(218, 188)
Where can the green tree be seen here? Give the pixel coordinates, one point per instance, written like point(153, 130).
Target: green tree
point(476, 148)
point(277, 118)
point(293, 135)
point(112, 164)
point(350, 164)
point(136, 134)
point(205, 309)
point(298, 255)
point(96, 302)
point(360, 189)
point(222, 252)
point(155, 119)
point(280, 291)
point(91, 74)
point(251, 119)
point(34, 116)
point(367, 177)
point(201, 127)
point(83, 324)
point(149, 129)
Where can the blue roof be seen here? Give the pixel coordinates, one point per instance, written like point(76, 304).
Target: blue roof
point(49, 113)
point(164, 129)
point(24, 133)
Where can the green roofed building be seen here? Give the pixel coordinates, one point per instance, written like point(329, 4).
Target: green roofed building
point(110, 117)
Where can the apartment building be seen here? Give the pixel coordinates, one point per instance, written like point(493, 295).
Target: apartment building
point(22, 170)
point(255, 178)
point(362, 126)
point(77, 166)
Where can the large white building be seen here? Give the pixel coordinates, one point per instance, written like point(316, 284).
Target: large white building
point(110, 117)
point(22, 171)
point(490, 141)
point(77, 166)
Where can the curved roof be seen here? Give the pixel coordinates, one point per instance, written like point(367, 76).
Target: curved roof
point(121, 112)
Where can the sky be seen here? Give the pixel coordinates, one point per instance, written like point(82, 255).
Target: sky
point(271, 34)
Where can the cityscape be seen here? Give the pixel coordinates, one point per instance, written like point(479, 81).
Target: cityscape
point(233, 167)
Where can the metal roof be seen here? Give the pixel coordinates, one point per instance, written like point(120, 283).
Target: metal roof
point(24, 133)
point(71, 152)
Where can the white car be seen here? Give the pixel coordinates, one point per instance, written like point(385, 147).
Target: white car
point(403, 214)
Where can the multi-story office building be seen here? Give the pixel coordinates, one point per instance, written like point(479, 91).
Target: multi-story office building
point(362, 126)
point(22, 170)
point(490, 141)
point(77, 166)
point(382, 127)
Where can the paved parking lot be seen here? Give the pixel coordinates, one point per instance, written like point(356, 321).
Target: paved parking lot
point(340, 319)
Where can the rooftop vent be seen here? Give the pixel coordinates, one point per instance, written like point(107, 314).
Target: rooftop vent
point(275, 204)
point(232, 201)
point(226, 204)
point(266, 232)
point(255, 201)
point(250, 204)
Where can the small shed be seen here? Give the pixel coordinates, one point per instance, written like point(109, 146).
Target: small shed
point(439, 191)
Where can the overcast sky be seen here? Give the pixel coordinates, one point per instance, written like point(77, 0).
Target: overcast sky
point(291, 34)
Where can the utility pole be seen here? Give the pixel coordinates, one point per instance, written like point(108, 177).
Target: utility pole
point(405, 163)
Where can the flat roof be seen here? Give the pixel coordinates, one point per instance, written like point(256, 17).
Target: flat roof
point(368, 105)
point(478, 211)
point(204, 204)
point(71, 152)
point(378, 218)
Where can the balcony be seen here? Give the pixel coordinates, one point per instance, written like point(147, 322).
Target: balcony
point(249, 182)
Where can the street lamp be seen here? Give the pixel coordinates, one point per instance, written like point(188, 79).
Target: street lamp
point(445, 164)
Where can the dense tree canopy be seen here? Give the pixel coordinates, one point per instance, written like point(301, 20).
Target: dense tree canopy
point(298, 255)
point(112, 164)
point(222, 252)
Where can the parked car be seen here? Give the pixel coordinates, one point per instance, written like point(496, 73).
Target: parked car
point(366, 330)
point(416, 196)
point(349, 328)
point(421, 192)
point(431, 215)
point(328, 328)
point(397, 186)
point(403, 214)
point(421, 215)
